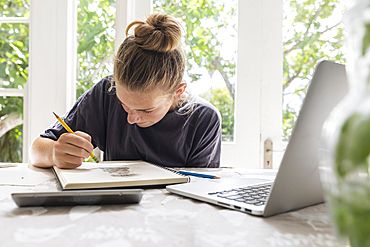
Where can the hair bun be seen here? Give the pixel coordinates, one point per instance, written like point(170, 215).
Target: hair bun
point(160, 33)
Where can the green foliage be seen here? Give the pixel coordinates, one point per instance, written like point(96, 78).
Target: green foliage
point(312, 35)
point(366, 40)
point(351, 213)
point(14, 8)
point(13, 55)
point(289, 118)
point(14, 44)
point(95, 35)
point(352, 150)
point(225, 104)
point(11, 142)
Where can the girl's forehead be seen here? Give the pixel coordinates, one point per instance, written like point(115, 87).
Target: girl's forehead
point(152, 94)
point(136, 97)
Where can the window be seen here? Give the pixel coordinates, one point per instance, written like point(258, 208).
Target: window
point(14, 52)
point(53, 58)
point(253, 62)
point(312, 31)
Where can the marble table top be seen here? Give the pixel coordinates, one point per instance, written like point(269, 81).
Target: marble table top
point(160, 219)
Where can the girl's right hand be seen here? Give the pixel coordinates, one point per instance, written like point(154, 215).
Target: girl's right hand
point(70, 150)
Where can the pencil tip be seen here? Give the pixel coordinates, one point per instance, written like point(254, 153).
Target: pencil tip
point(55, 115)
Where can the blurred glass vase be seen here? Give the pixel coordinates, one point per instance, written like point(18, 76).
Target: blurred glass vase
point(344, 163)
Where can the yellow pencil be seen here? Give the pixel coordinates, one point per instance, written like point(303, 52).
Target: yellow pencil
point(71, 131)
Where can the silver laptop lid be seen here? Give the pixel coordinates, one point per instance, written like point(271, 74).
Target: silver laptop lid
point(297, 183)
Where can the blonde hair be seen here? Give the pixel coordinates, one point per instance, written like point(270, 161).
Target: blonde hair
point(152, 56)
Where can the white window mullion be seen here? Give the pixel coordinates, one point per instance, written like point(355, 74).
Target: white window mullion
point(123, 18)
point(244, 151)
point(14, 20)
point(272, 79)
point(11, 92)
point(52, 65)
point(259, 81)
point(26, 124)
point(128, 11)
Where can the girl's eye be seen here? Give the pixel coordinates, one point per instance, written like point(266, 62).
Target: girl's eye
point(147, 112)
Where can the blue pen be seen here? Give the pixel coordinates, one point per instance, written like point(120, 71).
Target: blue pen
point(198, 175)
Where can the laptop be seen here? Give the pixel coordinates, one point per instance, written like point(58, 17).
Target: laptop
point(297, 182)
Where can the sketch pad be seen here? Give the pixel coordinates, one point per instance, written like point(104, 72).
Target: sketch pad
point(116, 175)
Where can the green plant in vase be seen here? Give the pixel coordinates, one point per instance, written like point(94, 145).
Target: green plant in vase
point(347, 138)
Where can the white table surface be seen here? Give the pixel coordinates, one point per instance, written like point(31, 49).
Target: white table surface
point(161, 219)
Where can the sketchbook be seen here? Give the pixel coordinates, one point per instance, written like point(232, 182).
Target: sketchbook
point(116, 175)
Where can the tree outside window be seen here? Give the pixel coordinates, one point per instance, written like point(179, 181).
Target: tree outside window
point(312, 31)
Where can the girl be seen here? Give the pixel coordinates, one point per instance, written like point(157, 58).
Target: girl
point(142, 112)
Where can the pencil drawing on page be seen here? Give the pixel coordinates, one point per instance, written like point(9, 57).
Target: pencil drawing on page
point(121, 171)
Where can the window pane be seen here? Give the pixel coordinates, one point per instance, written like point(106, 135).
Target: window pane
point(14, 8)
point(11, 129)
point(13, 55)
point(210, 42)
point(312, 31)
point(95, 34)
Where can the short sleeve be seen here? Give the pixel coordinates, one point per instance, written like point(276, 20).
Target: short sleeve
point(87, 115)
point(206, 147)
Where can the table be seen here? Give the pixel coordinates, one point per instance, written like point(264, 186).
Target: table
point(161, 219)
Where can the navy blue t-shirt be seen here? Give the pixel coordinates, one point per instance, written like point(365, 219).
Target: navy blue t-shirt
point(182, 138)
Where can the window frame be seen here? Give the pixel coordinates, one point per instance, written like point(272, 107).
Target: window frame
point(258, 107)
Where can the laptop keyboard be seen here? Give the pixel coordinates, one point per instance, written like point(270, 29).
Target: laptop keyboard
point(254, 195)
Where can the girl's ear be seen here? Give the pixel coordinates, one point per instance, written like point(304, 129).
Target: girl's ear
point(181, 89)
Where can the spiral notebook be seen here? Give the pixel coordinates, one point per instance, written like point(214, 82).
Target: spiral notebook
point(121, 174)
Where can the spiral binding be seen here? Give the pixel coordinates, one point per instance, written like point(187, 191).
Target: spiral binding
point(172, 170)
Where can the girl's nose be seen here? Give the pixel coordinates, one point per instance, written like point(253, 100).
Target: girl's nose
point(132, 117)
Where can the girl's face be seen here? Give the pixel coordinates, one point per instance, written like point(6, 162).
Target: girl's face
point(145, 109)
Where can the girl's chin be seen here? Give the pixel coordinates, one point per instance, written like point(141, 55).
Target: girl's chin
point(144, 125)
